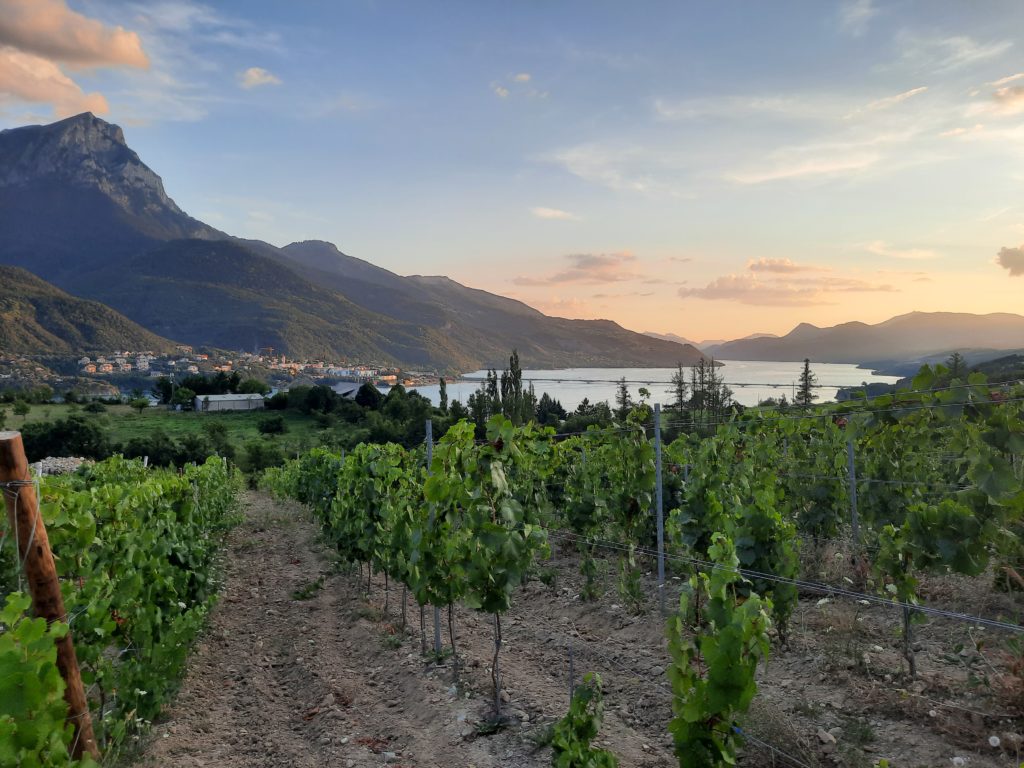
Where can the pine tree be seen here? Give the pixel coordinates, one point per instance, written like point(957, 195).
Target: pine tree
point(957, 366)
point(679, 389)
point(805, 394)
point(623, 400)
point(442, 395)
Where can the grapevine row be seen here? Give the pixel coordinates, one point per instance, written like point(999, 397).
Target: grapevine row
point(470, 526)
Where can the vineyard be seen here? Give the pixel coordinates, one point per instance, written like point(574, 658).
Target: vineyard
point(136, 553)
point(816, 587)
point(859, 519)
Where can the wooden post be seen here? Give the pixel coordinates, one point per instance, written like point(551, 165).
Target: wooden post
point(41, 574)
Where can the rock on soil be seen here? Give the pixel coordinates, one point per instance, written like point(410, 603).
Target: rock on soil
point(59, 465)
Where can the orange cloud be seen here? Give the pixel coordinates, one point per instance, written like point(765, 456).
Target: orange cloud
point(48, 28)
point(779, 265)
point(34, 79)
point(780, 292)
point(1012, 259)
point(590, 268)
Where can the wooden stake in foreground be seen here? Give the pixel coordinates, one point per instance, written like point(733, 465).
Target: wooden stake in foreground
point(41, 574)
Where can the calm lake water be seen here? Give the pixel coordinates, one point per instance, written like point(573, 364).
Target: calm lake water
point(751, 381)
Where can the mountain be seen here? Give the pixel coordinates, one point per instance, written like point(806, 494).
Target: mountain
point(671, 337)
point(40, 319)
point(906, 337)
point(79, 208)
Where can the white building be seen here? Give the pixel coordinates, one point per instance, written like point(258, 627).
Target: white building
point(251, 402)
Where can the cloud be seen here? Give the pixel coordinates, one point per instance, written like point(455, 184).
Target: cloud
point(741, 107)
point(854, 16)
point(522, 77)
point(618, 168)
point(30, 78)
point(782, 292)
point(1012, 260)
point(961, 131)
point(589, 268)
point(254, 77)
point(794, 166)
point(627, 294)
point(945, 54)
point(891, 101)
point(500, 90)
point(779, 265)
point(49, 29)
point(881, 248)
point(1006, 80)
point(1009, 99)
point(553, 213)
point(198, 22)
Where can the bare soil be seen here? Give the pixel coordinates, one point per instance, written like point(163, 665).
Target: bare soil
point(302, 666)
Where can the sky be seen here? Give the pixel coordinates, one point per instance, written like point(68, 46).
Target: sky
point(710, 170)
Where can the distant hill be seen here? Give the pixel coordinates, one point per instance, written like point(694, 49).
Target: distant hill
point(671, 337)
point(79, 208)
point(40, 319)
point(906, 337)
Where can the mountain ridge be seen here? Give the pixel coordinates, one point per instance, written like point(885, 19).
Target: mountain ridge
point(908, 336)
point(79, 208)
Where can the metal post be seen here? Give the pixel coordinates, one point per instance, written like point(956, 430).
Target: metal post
point(437, 610)
point(852, 473)
point(660, 506)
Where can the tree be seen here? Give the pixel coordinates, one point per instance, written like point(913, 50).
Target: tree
point(622, 400)
point(217, 434)
point(163, 388)
point(549, 411)
point(442, 395)
point(3, 417)
point(957, 366)
point(710, 398)
point(369, 396)
point(272, 425)
point(184, 397)
point(805, 394)
point(457, 412)
point(21, 408)
point(253, 387)
point(73, 436)
point(679, 389)
point(139, 404)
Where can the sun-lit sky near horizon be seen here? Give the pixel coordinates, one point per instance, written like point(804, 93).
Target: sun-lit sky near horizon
point(705, 169)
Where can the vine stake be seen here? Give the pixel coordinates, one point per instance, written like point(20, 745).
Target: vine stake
point(26, 521)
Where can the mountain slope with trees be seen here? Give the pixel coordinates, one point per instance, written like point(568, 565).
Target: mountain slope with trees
point(37, 318)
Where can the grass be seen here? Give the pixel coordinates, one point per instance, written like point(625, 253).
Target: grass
point(123, 423)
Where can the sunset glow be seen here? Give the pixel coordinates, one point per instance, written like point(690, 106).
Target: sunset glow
point(708, 171)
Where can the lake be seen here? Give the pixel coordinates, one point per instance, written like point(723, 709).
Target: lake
point(750, 380)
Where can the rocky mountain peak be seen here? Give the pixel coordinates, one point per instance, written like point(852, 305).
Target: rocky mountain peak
point(83, 150)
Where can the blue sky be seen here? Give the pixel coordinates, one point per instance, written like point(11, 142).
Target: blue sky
point(706, 169)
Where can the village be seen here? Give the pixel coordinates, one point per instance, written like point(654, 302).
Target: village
point(120, 372)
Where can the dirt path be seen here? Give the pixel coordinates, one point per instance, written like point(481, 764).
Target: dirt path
point(299, 668)
point(314, 682)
